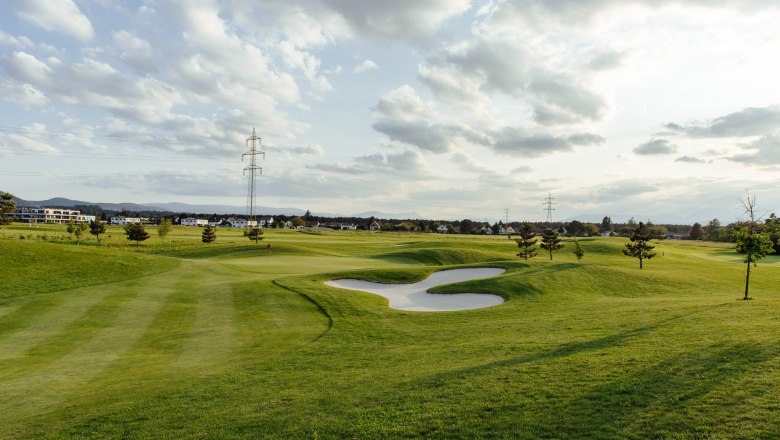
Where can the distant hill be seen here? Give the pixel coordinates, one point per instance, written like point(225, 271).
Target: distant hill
point(176, 207)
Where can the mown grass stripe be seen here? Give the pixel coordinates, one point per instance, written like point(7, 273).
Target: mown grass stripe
point(47, 387)
point(62, 331)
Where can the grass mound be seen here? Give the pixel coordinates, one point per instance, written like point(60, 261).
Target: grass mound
point(33, 267)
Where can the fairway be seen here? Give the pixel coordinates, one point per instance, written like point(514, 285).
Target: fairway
point(179, 339)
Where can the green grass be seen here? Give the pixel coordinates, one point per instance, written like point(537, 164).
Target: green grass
point(177, 339)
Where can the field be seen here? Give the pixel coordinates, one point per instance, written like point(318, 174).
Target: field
point(177, 339)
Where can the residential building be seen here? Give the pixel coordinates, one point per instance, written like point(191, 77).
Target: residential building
point(46, 215)
point(348, 227)
point(266, 221)
point(374, 226)
point(192, 221)
point(244, 223)
point(121, 220)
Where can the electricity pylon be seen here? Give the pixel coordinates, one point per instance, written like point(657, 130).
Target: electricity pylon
point(252, 143)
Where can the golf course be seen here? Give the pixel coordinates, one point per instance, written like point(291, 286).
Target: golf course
point(174, 338)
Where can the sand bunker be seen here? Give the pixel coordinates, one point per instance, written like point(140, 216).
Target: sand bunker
point(415, 297)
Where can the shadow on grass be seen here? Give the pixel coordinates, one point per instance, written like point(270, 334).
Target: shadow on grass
point(695, 394)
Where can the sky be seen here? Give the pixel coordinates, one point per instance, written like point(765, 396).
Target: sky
point(666, 111)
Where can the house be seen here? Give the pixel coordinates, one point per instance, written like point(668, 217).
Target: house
point(442, 229)
point(85, 218)
point(312, 224)
point(348, 227)
point(121, 220)
point(192, 221)
point(374, 226)
point(505, 230)
point(266, 221)
point(215, 223)
point(244, 223)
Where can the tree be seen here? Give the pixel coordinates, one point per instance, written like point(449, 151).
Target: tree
point(96, 227)
point(526, 241)
point(578, 251)
point(255, 234)
point(696, 232)
point(307, 216)
point(136, 232)
point(209, 234)
point(606, 224)
point(78, 230)
point(164, 228)
point(640, 246)
point(7, 208)
point(755, 246)
point(551, 241)
point(297, 221)
point(711, 230)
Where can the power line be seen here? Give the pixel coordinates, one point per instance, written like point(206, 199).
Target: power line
point(111, 156)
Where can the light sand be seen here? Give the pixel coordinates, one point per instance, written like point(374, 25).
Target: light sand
point(415, 297)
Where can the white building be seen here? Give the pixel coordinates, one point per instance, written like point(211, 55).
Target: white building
point(85, 218)
point(442, 229)
point(266, 221)
point(244, 223)
point(348, 227)
point(192, 221)
point(124, 220)
point(46, 215)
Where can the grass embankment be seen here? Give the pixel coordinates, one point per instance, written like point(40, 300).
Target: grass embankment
point(235, 342)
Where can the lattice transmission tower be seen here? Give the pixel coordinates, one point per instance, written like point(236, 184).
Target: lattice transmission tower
point(253, 144)
point(506, 216)
point(548, 204)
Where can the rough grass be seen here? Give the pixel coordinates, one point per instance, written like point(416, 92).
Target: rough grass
point(228, 341)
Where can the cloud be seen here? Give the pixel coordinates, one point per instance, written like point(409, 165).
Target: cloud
point(311, 150)
point(365, 66)
point(516, 142)
point(750, 121)
point(135, 51)
point(409, 20)
point(655, 147)
point(606, 60)
point(764, 152)
point(472, 72)
point(690, 159)
point(56, 16)
point(404, 104)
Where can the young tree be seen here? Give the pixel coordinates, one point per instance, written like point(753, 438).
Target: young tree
point(255, 234)
point(164, 228)
point(71, 228)
point(526, 241)
point(96, 227)
point(640, 246)
point(209, 234)
point(551, 241)
point(136, 232)
point(7, 208)
point(578, 251)
point(78, 231)
point(755, 246)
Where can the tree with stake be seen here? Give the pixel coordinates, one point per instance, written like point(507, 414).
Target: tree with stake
point(136, 232)
point(164, 228)
point(71, 229)
point(255, 234)
point(579, 252)
point(640, 246)
point(551, 241)
point(209, 235)
point(96, 227)
point(526, 241)
point(755, 246)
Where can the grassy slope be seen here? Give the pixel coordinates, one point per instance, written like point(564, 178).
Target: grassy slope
point(236, 343)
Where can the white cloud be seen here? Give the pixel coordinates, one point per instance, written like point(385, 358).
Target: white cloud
point(56, 16)
point(365, 66)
